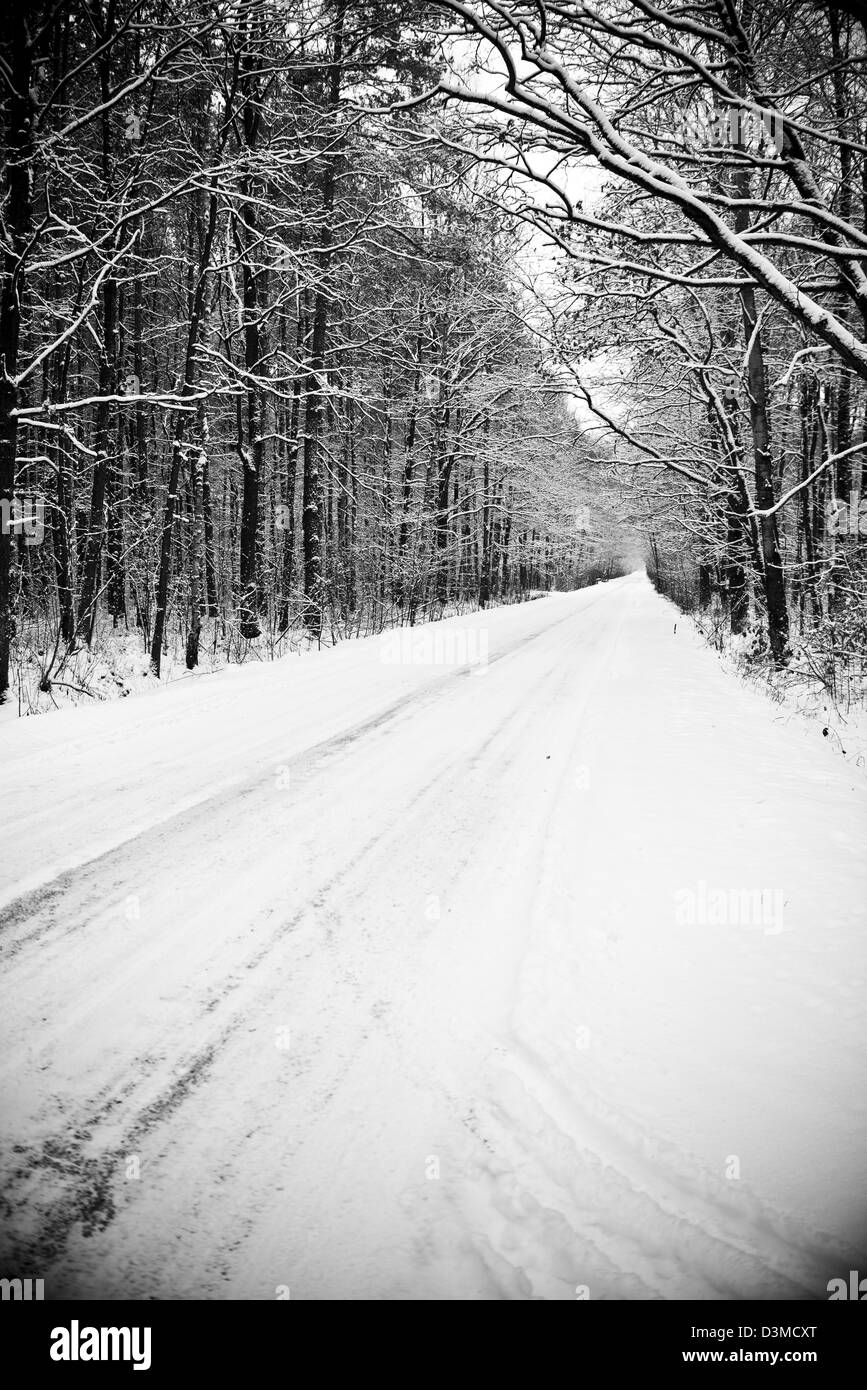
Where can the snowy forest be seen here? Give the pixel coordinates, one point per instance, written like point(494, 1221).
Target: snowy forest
point(321, 317)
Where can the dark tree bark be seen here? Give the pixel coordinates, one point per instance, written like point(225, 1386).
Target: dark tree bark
point(187, 386)
point(18, 57)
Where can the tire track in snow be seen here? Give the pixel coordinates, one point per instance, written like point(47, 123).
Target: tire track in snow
point(137, 1101)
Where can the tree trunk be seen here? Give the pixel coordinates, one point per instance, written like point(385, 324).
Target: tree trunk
point(177, 446)
point(18, 213)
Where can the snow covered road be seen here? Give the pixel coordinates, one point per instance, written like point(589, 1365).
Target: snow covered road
point(369, 979)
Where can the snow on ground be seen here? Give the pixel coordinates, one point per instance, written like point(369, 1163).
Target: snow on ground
point(798, 691)
point(370, 978)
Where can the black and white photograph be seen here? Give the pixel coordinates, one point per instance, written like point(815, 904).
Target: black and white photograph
point(433, 661)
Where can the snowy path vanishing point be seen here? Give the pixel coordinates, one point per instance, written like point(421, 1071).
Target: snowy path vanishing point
point(375, 975)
